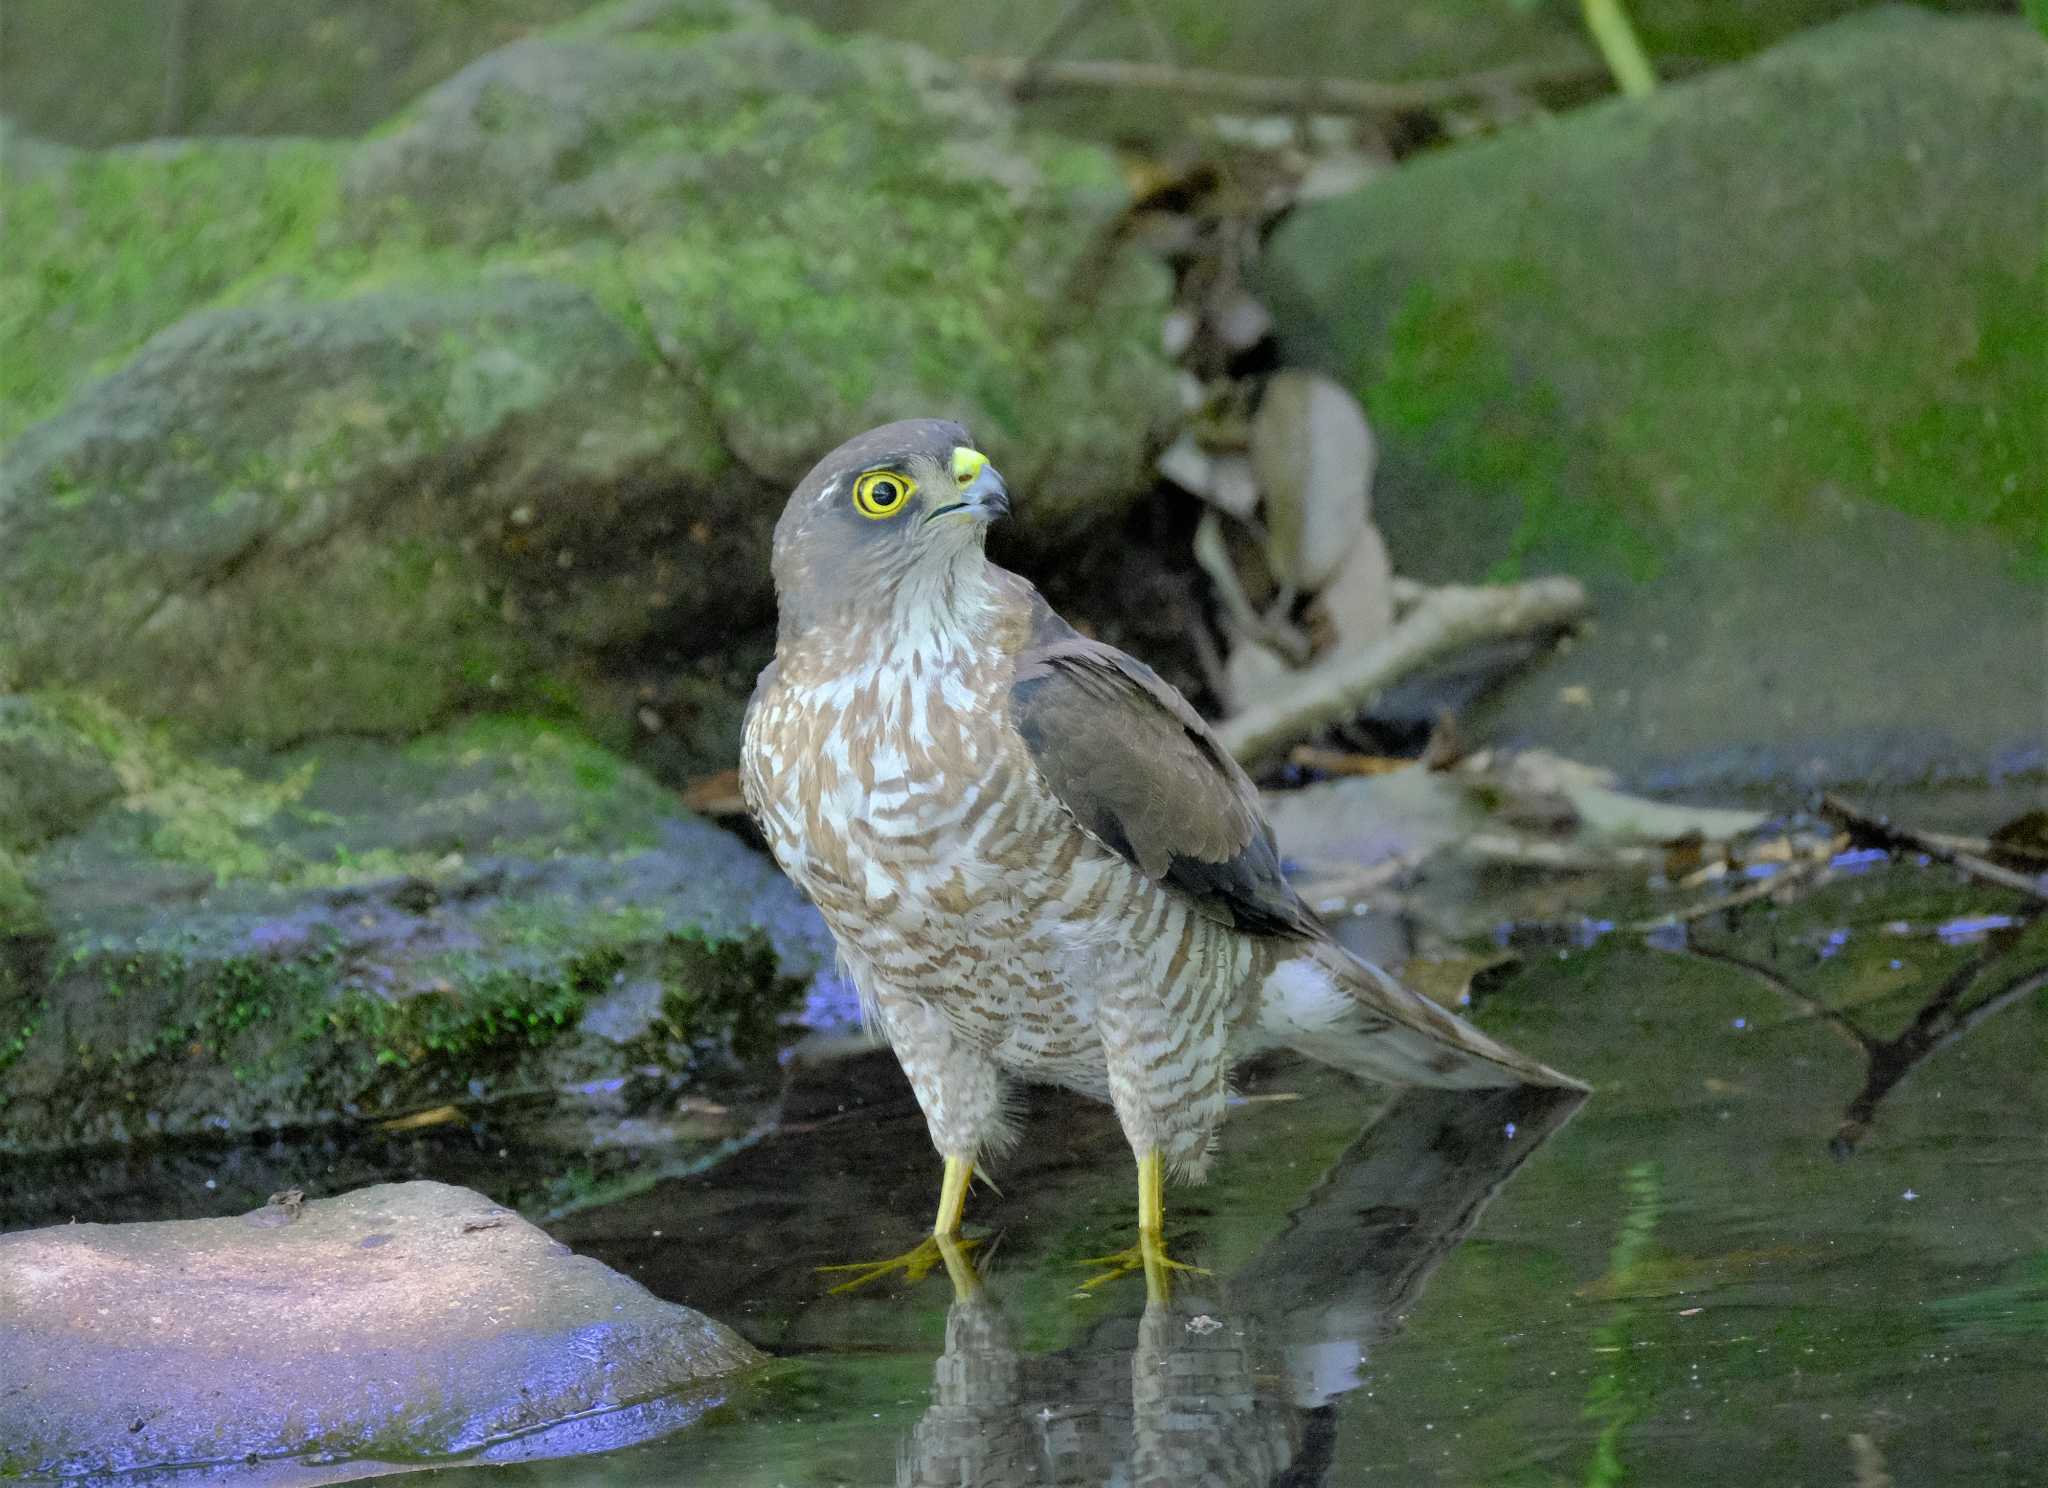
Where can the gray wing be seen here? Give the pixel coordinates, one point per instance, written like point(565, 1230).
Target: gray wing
point(1142, 772)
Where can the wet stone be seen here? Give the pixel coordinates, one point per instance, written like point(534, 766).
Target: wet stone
point(315, 1340)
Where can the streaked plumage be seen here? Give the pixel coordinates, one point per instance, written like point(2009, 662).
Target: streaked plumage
point(1036, 858)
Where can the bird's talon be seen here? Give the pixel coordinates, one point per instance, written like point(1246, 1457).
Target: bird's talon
point(1149, 1254)
point(914, 1264)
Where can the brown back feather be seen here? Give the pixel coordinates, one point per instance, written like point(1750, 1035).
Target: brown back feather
point(1141, 771)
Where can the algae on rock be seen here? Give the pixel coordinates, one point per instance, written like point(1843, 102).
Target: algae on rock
point(358, 928)
point(1759, 356)
point(500, 402)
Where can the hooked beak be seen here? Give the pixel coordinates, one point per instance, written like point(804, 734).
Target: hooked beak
point(982, 492)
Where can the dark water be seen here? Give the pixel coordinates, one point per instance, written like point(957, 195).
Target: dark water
point(1700, 1276)
point(1797, 1235)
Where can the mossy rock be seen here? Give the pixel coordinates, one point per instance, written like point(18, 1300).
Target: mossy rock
point(500, 403)
point(248, 67)
point(283, 519)
point(357, 929)
point(51, 778)
point(1759, 356)
point(336, 67)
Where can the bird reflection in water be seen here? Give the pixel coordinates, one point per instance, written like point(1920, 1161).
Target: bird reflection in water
point(1230, 1383)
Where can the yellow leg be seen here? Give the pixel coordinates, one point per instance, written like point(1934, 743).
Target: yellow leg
point(966, 1280)
point(953, 1195)
point(943, 1245)
point(1150, 1251)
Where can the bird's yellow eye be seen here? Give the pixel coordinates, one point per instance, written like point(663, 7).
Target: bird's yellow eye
point(881, 493)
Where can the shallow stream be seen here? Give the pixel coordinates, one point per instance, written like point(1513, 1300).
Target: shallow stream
point(1713, 1271)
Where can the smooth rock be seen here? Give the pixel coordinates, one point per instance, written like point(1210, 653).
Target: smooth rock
point(305, 1343)
point(1758, 358)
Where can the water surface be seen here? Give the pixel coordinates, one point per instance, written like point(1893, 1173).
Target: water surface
point(1700, 1276)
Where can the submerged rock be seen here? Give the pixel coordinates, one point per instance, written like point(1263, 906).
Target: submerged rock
point(357, 930)
point(1759, 357)
point(497, 406)
point(312, 1341)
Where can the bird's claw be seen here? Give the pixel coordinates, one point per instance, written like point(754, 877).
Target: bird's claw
point(1150, 1255)
point(914, 1264)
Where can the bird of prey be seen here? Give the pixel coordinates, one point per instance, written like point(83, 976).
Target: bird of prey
point(1036, 858)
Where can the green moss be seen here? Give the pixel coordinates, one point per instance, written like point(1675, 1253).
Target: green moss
point(729, 991)
point(21, 910)
point(209, 815)
point(113, 247)
point(1974, 456)
point(259, 1015)
point(570, 795)
point(292, 1031)
point(383, 372)
point(1707, 319)
point(183, 1006)
point(594, 797)
point(1474, 416)
point(438, 1041)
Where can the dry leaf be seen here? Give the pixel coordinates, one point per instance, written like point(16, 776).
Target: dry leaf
point(1313, 453)
point(716, 795)
point(1254, 672)
point(1187, 465)
point(421, 1120)
point(1239, 321)
point(1356, 607)
point(1234, 489)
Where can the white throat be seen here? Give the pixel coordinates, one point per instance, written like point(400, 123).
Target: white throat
point(943, 611)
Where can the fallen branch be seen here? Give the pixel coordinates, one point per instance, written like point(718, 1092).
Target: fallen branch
point(1940, 1023)
point(1276, 95)
point(1874, 832)
point(1443, 621)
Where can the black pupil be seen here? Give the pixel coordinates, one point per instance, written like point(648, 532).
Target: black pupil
point(883, 493)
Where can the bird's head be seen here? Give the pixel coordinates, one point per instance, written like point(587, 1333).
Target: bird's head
point(898, 513)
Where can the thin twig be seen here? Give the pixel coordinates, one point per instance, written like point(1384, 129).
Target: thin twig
point(1833, 1017)
point(1870, 831)
point(1937, 1025)
point(1796, 875)
point(2014, 991)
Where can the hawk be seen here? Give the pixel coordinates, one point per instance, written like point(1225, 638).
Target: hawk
point(1036, 858)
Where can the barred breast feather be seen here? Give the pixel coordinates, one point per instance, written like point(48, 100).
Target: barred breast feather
point(1036, 858)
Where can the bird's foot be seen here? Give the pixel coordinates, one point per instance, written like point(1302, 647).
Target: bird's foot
point(914, 1265)
point(1150, 1255)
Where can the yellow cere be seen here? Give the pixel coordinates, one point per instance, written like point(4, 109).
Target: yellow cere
point(967, 464)
point(881, 493)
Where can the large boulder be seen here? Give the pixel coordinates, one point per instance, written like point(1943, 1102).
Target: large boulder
point(321, 1341)
point(338, 66)
point(1760, 357)
point(499, 405)
point(353, 931)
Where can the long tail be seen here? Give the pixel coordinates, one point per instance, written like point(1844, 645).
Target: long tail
point(1345, 1012)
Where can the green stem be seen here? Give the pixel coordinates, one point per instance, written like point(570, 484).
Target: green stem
point(1617, 41)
